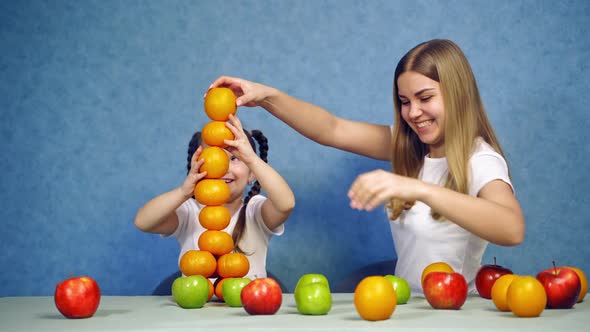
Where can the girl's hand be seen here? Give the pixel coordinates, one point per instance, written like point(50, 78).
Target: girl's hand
point(193, 176)
point(240, 146)
point(372, 189)
point(248, 93)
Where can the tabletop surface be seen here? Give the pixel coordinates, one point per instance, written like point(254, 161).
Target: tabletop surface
point(161, 313)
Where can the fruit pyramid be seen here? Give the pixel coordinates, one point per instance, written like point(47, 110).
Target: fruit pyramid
point(215, 258)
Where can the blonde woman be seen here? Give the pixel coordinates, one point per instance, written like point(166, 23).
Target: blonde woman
point(449, 192)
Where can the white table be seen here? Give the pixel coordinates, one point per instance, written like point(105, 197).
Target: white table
point(160, 313)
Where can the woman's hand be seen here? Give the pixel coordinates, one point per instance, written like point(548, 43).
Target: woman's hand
point(372, 189)
point(188, 186)
point(240, 146)
point(248, 93)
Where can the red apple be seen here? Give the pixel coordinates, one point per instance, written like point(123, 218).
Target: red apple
point(445, 290)
point(262, 296)
point(562, 286)
point(486, 276)
point(77, 297)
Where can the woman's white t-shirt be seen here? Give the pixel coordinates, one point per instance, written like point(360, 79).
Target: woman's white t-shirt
point(254, 241)
point(420, 240)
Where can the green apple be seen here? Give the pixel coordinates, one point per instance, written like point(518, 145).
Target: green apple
point(311, 278)
point(312, 295)
point(232, 289)
point(190, 292)
point(401, 287)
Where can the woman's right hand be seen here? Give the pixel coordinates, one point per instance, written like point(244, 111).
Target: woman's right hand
point(248, 93)
point(188, 186)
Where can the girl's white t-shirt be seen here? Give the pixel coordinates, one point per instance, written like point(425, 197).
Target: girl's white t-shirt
point(420, 240)
point(255, 239)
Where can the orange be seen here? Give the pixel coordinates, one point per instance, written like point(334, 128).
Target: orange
point(216, 162)
point(220, 103)
point(216, 242)
point(233, 265)
point(214, 132)
point(214, 217)
point(436, 267)
point(211, 289)
point(218, 288)
point(500, 290)
point(374, 298)
point(526, 296)
point(583, 282)
point(212, 192)
point(197, 262)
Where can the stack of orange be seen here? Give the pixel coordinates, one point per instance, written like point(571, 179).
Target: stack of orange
point(215, 257)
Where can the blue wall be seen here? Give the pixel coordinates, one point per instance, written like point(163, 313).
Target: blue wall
point(98, 100)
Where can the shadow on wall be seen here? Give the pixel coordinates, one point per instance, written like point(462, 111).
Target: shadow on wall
point(165, 286)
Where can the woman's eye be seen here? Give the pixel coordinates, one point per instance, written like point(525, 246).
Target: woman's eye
point(425, 98)
point(405, 102)
point(232, 158)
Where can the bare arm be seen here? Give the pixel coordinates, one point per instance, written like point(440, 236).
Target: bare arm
point(159, 214)
point(312, 121)
point(495, 215)
point(281, 200)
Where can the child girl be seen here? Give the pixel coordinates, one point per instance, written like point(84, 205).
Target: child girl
point(255, 218)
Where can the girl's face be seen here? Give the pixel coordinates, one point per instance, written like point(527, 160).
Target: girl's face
point(237, 177)
point(422, 108)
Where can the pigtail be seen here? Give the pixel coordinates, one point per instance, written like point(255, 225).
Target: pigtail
point(193, 145)
point(255, 190)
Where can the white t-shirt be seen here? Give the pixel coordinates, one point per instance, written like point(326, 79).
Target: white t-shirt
point(254, 241)
point(420, 240)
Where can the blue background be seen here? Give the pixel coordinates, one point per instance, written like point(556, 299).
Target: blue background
point(99, 99)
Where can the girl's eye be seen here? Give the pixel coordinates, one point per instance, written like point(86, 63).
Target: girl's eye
point(405, 102)
point(424, 99)
point(232, 158)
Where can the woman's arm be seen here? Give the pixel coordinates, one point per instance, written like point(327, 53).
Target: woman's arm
point(494, 215)
point(312, 121)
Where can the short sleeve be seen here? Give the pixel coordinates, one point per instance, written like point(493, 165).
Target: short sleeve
point(486, 167)
point(182, 212)
point(254, 213)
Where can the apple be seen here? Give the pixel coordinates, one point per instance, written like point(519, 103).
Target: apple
point(402, 289)
point(486, 276)
point(312, 295)
point(77, 297)
point(311, 278)
point(262, 296)
point(231, 289)
point(562, 286)
point(191, 291)
point(444, 290)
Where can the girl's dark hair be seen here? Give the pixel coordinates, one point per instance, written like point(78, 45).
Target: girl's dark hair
point(257, 135)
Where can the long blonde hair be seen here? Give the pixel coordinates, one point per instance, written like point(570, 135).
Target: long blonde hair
point(465, 117)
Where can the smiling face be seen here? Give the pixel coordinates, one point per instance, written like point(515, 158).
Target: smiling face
point(422, 108)
point(237, 177)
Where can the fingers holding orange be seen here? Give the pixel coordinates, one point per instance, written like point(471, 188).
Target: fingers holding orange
point(215, 162)
point(214, 132)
